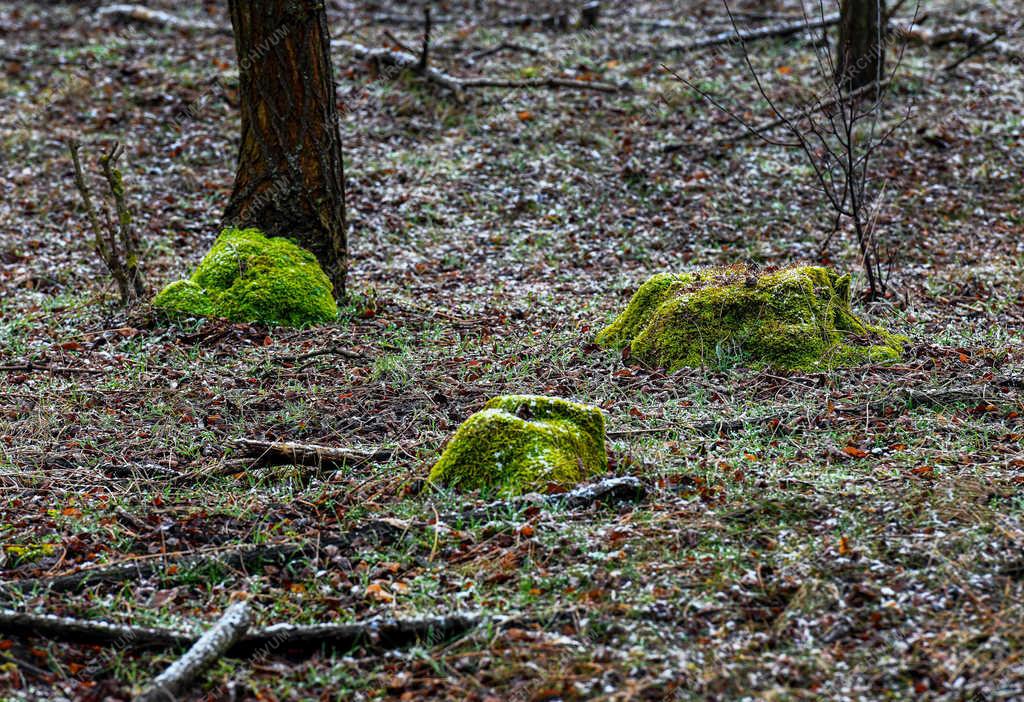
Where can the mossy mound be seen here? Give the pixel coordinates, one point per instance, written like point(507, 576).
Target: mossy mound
point(248, 277)
point(795, 318)
point(524, 443)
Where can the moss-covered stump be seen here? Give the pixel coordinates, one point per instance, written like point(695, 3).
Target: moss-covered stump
point(795, 318)
point(248, 277)
point(524, 443)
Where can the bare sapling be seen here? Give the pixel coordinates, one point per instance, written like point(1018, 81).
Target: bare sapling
point(115, 239)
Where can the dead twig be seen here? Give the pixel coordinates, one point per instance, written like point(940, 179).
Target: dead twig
point(290, 453)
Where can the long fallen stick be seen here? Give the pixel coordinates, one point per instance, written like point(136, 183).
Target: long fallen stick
point(376, 633)
point(207, 650)
point(730, 36)
point(402, 60)
point(291, 453)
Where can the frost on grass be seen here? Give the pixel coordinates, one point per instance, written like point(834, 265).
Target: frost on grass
point(795, 318)
point(248, 277)
point(523, 443)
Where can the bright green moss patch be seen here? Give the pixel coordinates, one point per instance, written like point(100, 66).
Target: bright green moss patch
point(248, 277)
point(796, 318)
point(20, 554)
point(524, 443)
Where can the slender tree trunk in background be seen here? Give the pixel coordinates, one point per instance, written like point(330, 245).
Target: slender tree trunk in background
point(861, 50)
point(290, 176)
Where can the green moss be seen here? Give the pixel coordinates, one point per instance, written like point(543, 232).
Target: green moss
point(796, 318)
point(183, 297)
point(20, 554)
point(248, 277)
point(523, 443)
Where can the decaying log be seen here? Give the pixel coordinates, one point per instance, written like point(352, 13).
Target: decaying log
point(207, 650)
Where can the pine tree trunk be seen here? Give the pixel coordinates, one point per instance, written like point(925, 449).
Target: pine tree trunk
point(290, 176)
point(861, 50)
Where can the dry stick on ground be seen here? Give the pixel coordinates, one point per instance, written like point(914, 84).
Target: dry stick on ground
point(376, 633)
point(379, 531)
point(140, 13)
point(458, 86)
point(211, 647)
point(290, 453)
point(735, 35)
point(975, 39)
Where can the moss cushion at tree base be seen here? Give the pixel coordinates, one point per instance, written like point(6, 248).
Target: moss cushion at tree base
point(524, 443)
point(248, 277)
point(795, 318)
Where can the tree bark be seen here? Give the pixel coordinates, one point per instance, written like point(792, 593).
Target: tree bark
point(290, 176)
point(861, 48)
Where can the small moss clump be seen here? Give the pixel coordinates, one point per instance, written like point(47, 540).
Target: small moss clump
point(248, 277)
point(524, 443)
point(796, 318)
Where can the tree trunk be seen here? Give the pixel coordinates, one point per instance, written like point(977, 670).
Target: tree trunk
point(290, 176)
point(861, 49)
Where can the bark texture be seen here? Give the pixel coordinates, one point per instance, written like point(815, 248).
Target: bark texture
point(861, 49)
point(290, 176)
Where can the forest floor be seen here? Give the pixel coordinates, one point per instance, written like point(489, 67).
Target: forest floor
point(853, 534)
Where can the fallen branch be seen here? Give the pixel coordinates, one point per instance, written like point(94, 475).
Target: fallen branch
point(144, 15)
point(773, 31)
point(290, 453)
point(376, 633)
point(84, 631)
point(211, 647)
point(402, 61)
point(969, 36)
point(503, 46)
